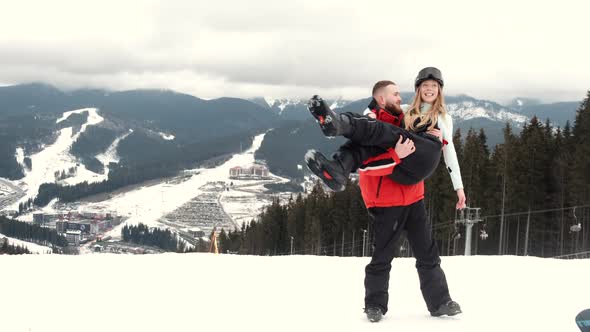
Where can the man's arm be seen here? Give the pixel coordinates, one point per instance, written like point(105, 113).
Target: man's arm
point(400, 151)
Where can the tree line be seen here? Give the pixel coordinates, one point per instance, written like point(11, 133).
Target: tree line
point(9, 249)
point(32, 233)
point(161, 238)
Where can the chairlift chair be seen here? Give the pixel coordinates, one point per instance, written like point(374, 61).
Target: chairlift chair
point(576, 227)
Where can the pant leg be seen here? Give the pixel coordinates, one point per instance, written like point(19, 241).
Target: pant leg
point(352, 155)
point(371, 132)
point(388, 225)
point(433, 282)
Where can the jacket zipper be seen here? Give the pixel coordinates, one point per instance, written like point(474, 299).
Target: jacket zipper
point(379, 186)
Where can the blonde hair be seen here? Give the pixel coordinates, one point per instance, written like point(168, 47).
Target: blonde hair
point(413, 113)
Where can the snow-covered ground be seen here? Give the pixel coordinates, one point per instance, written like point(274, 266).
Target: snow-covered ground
point(33, 247)
point(57, 157)
point(199, 292)
point(244, 201)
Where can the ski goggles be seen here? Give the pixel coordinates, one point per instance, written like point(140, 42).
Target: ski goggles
point(429, 73)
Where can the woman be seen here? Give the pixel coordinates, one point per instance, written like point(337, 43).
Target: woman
point(428, 110)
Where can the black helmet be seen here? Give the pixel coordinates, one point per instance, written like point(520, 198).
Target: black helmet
point(429, 73)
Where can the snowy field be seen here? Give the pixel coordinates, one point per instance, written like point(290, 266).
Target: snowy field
point(244, 201)
point(199, 292)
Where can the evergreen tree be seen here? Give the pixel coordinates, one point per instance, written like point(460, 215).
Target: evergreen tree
point(581, 151)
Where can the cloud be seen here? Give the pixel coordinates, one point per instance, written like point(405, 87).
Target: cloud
point(495, 50)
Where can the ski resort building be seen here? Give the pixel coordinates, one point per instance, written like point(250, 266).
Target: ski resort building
point(74, 237)
point(252, 172)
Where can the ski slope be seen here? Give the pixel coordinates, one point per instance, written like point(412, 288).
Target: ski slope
point(57, 157)
point(146, 204)
point(110, 155)
point(200, 292)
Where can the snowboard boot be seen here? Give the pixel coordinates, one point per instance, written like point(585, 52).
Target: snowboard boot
point(374, 314)
point(331, 172)
point(331, 123)
point(450, 308)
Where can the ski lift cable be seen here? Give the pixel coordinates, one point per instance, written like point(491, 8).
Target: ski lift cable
point(450, 223)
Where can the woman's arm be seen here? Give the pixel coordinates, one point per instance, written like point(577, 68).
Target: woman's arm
point(451, 160)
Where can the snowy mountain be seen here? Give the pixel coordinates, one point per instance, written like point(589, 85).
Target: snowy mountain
point(188, 292)
point(294, 108)
point(164, 124)
point(463, 108)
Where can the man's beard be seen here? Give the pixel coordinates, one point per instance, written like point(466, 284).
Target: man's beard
point(394, 109)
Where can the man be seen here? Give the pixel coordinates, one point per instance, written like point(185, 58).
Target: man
point(395, 207)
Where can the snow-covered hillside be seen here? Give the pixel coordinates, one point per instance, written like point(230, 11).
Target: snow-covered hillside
point(200, 292)
point(57, 157)
point(147, 204)
point(110, 155)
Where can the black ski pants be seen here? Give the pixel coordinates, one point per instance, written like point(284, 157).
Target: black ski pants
point(389, 222)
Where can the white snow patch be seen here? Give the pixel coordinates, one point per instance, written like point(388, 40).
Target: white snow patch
point(283, 103)
point(288, 293)
point(167, 137)
point(503, 115)
point(20, 157)
point(269, 101)
point(110, 155)
point(470, 113)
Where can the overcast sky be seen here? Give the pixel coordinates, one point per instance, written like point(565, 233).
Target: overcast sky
point(494, 49)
